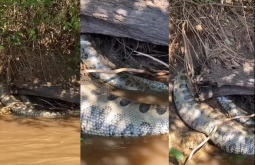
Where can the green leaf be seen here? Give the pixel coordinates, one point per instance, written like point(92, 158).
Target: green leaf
point(1, 47)
point(47, 2)
point(32, 34)
point(177, 154)
point(171, 153)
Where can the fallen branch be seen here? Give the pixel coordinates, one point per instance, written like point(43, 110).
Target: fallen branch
point(146, 55)
point(153, 58)
point(199, 146)
point(124, 70)
point(139, 20)
point(53, 92)
point(211, 134)
point(207, 92)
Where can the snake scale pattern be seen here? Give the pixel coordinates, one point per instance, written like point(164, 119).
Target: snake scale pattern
point(230, 136)
point(20, 108)
point(234, 111)
point(108, 115)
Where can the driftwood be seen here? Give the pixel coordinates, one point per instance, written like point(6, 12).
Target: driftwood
point(242, 76)
point(53, 92)
point(226, 90)
point(141, 20)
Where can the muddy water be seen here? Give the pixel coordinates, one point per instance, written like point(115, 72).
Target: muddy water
point(26, 141)
point(125, 151)
point(147, 151)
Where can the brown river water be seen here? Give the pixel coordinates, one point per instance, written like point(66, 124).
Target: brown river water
point(34, 141)
point(153, 150)
point(31, 141)
point(147, 151)
point(125, 151)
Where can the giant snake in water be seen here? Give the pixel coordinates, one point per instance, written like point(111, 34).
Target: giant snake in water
point(24, 107)
point(105, 114)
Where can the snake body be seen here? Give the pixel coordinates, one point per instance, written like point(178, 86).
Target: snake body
point(234, 111)
point(93, 59)
point(20, 108)
point(230, 136)
point(108, 115)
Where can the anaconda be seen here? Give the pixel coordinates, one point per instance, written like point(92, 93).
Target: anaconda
point(20, 108)
point(108, 115)
point(230, 136)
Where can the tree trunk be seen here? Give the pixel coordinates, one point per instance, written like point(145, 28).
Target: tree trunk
point(141, 20)
point(54, 92)
point(226, 90)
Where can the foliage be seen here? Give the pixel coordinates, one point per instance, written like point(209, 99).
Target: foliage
point(176, 154)
point(30, 26)
point(236, 158)
point(82, 141)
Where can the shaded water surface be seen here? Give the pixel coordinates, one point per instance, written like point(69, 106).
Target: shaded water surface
point(220, 158)
point(26, 141)
point(147, 151)
point(125, 151)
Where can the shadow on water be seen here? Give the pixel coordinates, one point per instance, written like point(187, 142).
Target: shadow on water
point(147, 151)
point(124, 151)
point(220, 158)
point(42, 123)
point(39, 141)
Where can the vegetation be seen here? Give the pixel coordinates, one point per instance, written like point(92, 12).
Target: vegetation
point(82, 141)
point(176, 154)
point(39, 36)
